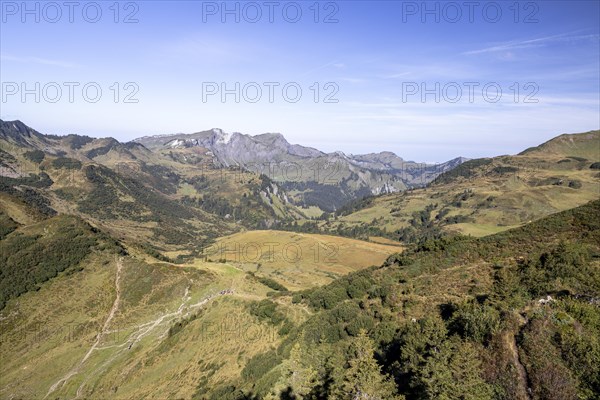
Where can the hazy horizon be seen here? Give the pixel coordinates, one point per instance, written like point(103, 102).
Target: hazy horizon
point(406, 157)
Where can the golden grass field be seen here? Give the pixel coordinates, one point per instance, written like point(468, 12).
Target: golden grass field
point(298, 260)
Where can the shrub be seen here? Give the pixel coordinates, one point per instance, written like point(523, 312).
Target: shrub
point(475, 321)
point(36, 156)
point(273, 284)
point(266, 310)
point(260, 364)
point(66, 163)
point(78, 141)
point(28, 261)
point(7, 225)
point(575, 184)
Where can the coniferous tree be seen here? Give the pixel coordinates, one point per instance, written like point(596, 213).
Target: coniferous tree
point(454, 372)
point(300, 374)
point(363, 380)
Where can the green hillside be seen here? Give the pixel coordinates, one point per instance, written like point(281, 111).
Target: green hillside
point(479, 197)
point(582, 145)
point(462, 318)
point(34, 254)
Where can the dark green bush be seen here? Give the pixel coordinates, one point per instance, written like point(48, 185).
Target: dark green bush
point(36, 156)
point(66, 163)
point(260, 364)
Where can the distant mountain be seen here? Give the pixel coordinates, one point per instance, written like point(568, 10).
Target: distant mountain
point(235, 148)
point(131, 190)
point(305, 181)
point(484, 196)
point(325, 180)
point(19, 133)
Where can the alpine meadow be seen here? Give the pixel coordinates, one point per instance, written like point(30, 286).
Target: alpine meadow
point(426, 226)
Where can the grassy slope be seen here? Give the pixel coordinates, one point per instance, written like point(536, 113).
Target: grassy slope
point(46, 334)
point(33, 254)
point(527, 192)
point(584, 145)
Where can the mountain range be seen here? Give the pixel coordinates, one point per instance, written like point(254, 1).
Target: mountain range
point(307, 177)
point(170, 267)
point(295, 166)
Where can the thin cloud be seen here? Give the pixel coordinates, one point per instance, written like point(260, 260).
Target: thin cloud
point(212, 48)
point(522, 44)
point(336, 64)
point(397, 75)
point(352, 80)
point(427, 68)
point(37, 60)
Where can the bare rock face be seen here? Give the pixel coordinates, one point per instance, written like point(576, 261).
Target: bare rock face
point(325, 180)
point(19, 133)
point(294, 165)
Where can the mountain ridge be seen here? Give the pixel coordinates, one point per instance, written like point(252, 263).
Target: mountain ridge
point(312, 178)
point(271, 153)
point(151, 141)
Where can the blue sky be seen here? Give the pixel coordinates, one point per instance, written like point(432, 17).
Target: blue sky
point(375, 58)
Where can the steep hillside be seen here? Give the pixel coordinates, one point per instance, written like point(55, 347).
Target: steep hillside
point(510, 316)
point(33, 254)
point(117, 324)
point(584, 145)
point(133, 192)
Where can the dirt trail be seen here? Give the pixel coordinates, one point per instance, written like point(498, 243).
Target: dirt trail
point(183, 310)
point(109, 318)
point(150, 326)
point(510, 341)
point(112, 312)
